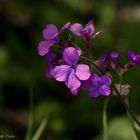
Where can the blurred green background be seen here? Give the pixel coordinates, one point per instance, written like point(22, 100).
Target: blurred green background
point(22, 70)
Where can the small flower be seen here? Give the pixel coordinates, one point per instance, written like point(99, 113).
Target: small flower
point(100, 85)
point(134, 59)
point(71, 73)
point(86, 32)
point(109, 59)
point(50, 34)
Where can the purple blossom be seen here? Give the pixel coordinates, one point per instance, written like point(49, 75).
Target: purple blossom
point(71, 73)
point(86, 32)
point(100, 85)
point(109, 59)
point(50, 34)
point(134, 59)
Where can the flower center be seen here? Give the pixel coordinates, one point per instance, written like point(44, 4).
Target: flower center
point(100, 84)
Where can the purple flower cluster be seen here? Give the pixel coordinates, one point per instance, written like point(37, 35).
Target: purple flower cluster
point(109, 59)
point(67, 69)
point(65, 63)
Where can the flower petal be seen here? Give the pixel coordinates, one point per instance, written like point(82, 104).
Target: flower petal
point(114, 64)
point(131, 54)
point(75, 91)
point(114, 55)
point(79, 51)
point(104, 90)
point(95, 79)
point(76, 28)
point(72, 82)
point(66, 26)
point(93, 92)
point(85, 84)
point(83, 72)
point(90, 27)
point(50, 56)
point(103, 62)
point(44, 46)
point(50, 32)
point(71, 55)
point(106, 80)
point(61, 73)
point(49, 72)
point(134, 58)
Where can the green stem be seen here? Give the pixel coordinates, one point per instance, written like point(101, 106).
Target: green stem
point(95, 65)
point(121, 81)
point(42, 126)
point(105, 129)
point(40, 129)
point(30, 120)
point(89, 47)
point(127, 107)
point(137, 132)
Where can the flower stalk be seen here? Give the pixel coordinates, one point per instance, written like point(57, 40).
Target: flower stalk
point(105, 129)
point(124, 103)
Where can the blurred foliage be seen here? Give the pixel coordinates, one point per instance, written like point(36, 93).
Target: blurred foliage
point(117, 126)
point(72, 118)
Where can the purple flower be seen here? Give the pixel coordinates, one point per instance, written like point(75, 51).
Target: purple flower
point(71, 73)
point(134, 58)
point(50, 34)
point(109, 59)
point(86, 32)
point(100, 85)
